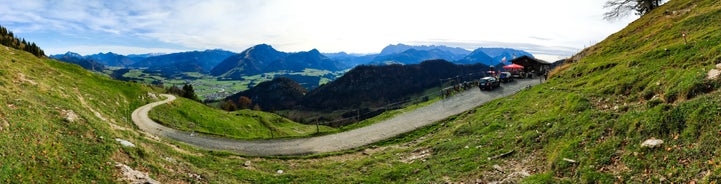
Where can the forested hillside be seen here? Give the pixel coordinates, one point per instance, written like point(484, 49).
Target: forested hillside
point(9, 39)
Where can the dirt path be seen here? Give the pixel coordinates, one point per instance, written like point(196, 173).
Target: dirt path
point(386, 129)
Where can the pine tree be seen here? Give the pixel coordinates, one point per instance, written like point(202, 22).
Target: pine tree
point(7, 38)
point(189, 93)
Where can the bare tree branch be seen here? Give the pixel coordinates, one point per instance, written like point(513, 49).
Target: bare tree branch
point(621, 8)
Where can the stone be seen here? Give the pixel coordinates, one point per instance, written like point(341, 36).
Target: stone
point(152, 96)
point(69, 116)
point(279, 171)
point(133, 176)
point(713, 74)
point(247, 163)
point(125, 143)
point(197, 177)
point(498, 168)
point(4, 124)
point(569, 160)
point(718, 66)
point(651, 143)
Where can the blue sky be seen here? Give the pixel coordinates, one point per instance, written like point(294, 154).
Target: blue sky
point(550, 27)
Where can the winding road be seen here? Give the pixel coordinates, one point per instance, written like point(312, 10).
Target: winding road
point(386, 129)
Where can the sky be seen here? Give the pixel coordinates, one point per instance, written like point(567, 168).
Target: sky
point(551, 28)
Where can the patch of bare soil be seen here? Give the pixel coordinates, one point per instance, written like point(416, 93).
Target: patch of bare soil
point(21, 78)
point(512, 170)
point(418, 154)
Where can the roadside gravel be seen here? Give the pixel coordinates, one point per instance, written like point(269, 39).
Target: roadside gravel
point(383, 130)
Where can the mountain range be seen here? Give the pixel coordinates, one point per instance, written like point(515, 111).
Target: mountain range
point(113, 59)
point(406, 54)
point(75, 58)
point(399, 48)
point(351, 60)
point(414, 56)
point(264, 58)
point(176, 63)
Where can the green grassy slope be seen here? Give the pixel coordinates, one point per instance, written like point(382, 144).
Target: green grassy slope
point(639, 83)
point(37, 144)
point(189, 115)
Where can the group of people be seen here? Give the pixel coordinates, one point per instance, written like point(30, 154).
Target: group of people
point(457, 88)
point(542, 74)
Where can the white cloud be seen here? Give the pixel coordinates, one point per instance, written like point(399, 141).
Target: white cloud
point(559, 26)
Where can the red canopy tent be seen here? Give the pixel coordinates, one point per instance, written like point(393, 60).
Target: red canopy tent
point(513, 66)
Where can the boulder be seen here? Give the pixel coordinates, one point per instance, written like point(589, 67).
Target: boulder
point(652, 143)
point(153, 96)
point(133, 176)
point(713, 74)
point(69, 116)
point(125, 143)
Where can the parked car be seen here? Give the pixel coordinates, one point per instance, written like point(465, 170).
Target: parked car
point(505, 77)
point(488, 83)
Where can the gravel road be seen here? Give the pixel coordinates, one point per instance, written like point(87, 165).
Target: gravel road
point(389, 128)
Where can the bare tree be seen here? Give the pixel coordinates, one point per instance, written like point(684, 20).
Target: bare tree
point(621, 8)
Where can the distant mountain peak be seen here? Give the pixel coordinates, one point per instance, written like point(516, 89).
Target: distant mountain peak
point(314, 51)
point(263, 58)
point(71, 54)
point(399, 48)
point(262, 46)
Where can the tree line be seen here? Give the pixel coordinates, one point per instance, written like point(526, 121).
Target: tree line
point(7, 38)
point(186, 92)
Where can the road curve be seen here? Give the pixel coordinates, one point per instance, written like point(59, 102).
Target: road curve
point(386, 129)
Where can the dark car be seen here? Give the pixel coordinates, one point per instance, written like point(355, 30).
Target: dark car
point(488, 83)
point(505, 77)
